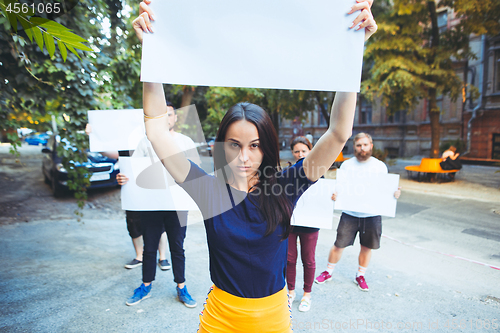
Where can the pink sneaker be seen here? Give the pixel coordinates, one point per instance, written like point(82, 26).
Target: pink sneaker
point(360, 281)
point(323, 277)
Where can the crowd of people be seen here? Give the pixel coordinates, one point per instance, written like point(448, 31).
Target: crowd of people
point(253, 248)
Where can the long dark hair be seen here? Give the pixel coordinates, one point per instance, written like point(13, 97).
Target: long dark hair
point(276, 209)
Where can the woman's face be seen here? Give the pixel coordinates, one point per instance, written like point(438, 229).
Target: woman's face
point(300, 150)
point(242, 149)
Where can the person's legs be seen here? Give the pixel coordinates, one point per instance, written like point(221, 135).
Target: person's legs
point(365, 254)
point(162, 250)
point(134, 228)
point(152, 228)
point(162, 246)
point(175, 226)
point(138, 247)
point(346, 233)
point(152, 224)
point(335, 254)
point(369, 238)
point(176, 234)
point(307, 253)
point(291, 264)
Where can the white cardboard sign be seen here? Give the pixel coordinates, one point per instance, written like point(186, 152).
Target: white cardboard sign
point(159, 193)
point(371, 194)
point(115, 129)
point(315, 207)
point(280, 44)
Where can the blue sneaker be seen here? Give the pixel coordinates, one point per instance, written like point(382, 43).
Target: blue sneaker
point(185, 298)
point(140, 293)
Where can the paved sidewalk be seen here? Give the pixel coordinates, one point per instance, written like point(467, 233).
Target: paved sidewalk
point(65, 276)
point(473, 182)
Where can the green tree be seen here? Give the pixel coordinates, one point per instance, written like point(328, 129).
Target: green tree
point(277, 102)
point(413, 60)
point(39, 82)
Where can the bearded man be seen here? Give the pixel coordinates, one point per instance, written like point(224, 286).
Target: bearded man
point(368, 226)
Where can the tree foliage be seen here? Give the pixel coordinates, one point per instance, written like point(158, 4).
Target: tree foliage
point(478, 16)
point(39, 82)
point(43, 31)
point(413, 59)
point(405, 65)
point(287, 104)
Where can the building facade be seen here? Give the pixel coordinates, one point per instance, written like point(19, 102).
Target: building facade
point(473, 124)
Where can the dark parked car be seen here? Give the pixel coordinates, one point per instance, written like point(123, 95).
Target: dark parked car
point(36, 139)
point(103, 169)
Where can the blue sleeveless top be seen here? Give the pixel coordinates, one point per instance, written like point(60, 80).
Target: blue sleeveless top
point(243, 262)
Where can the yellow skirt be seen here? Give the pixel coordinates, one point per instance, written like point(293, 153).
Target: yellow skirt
point(223, 312)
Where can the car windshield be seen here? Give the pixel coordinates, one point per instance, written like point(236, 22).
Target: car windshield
point(92, 156)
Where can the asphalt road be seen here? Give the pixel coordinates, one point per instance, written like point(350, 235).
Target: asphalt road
point(431, 273)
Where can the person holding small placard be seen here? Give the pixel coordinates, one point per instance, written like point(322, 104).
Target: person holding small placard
point(301, 147)
point(248, 204)
point(351, 223)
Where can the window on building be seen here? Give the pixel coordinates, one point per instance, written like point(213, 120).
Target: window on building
point(365, 112)
point(442, 21)
point(396, 117)
point(497, 71)
point(495, 151)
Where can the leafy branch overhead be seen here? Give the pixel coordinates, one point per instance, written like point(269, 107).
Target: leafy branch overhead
point(43, 31)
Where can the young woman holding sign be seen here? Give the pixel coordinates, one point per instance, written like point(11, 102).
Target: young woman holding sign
point(301, 147)
point(247, 206)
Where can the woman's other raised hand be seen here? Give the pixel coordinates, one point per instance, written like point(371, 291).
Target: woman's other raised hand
point(143, 23)
point(365, 18)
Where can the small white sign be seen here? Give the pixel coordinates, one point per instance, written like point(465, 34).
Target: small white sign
point(315, 207)
point(370, 194)
point(150, 187)
point(114, 130)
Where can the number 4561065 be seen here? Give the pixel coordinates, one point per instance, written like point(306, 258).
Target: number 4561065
point(24, 8)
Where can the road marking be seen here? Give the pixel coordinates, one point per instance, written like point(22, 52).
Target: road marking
point(439, 252)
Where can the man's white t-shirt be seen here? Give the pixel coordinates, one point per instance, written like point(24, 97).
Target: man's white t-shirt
point(371, 166)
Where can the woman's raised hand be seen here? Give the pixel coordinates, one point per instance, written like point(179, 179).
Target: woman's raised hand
point(143, 22)
point(365, 17)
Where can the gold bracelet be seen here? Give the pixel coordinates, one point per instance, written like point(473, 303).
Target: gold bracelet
point(157, 117)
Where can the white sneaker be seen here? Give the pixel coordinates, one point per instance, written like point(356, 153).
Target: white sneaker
point(291, 298)
point(305, 304)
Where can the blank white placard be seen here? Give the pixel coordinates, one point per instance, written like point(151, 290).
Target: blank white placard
point(373, 194)
point(315, 207)
point(162, 197)
point(115, 129)
point(292, 44)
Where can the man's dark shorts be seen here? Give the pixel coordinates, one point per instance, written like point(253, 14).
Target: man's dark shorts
point(369, 228)
point(134, 225)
